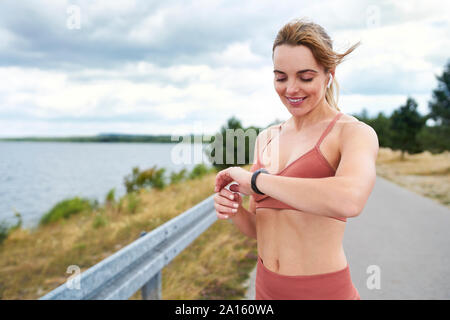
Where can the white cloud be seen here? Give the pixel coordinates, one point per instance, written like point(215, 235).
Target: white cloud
point(219, 72)
point(238, 54)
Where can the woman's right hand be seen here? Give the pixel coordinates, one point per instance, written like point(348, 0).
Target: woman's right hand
point(225, 205)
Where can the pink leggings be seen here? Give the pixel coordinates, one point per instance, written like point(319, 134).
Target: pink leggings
point(335, 285)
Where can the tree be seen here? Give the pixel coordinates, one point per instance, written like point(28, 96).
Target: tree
point(228, 153)
point(363, 116)
point(440, 104)
point(437, 138)
point(406, 122)
point(382, 126)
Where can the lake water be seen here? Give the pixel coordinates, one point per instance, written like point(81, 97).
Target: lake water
point(34, 176)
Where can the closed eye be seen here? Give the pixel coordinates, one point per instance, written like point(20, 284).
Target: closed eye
point(305, 80)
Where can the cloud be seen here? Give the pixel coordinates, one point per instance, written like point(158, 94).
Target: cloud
point(158, 66)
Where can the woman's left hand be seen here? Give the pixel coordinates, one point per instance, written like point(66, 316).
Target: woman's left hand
point(237, 174)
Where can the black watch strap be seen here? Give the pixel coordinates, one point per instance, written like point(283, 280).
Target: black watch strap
point(253, 182)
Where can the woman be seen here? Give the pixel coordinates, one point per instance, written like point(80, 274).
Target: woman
point(320, 170)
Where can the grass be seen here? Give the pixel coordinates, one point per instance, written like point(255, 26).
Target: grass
point(215, 266)
point(424, 173)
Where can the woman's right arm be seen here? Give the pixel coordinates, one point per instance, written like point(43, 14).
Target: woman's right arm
point(245, 220)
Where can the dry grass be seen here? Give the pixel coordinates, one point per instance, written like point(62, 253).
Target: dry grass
point(424, 173)
point(214, 266)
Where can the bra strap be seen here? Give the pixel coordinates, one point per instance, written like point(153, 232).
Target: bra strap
point(328, 129)
point(279, 128)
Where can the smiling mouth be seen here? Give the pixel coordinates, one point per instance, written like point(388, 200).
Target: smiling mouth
point(295, 99)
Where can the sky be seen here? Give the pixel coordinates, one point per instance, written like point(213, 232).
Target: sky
point(79, 68)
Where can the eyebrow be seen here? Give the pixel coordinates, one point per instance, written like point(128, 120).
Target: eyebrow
point(300, 71)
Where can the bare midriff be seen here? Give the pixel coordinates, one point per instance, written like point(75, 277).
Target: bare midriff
point(292, 242)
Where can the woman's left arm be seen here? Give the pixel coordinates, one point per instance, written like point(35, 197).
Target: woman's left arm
point(343, 195)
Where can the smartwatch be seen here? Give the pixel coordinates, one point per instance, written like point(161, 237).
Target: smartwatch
point(253, 182)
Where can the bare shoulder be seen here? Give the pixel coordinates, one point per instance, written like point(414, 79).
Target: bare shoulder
point(356, 133)
point(347, 118)
point(265, 134)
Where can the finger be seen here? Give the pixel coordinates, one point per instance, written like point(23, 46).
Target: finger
point(226, 201)
point(222, 216)
point(235, 197)
point(238, 197)
point(236, 192)
point(224, 209)
point(227, 194)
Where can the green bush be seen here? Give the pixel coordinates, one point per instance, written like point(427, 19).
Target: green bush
point(133, 202)
point(148, 178)
point(111, 196)
point(4, 231)
point(199, 171)
point(120, 204)
point(66, 208)
point(176, 177)
point(99, 220)
point(19, 220)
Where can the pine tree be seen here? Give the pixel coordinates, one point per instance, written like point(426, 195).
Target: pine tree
point(440, 104)
point(406, 122)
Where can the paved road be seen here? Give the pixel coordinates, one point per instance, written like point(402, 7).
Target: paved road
point(405, 235)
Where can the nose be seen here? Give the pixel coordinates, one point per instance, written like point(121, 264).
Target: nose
point(292, 88)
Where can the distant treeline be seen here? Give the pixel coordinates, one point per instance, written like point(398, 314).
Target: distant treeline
point(407, 130)
point(113, 137)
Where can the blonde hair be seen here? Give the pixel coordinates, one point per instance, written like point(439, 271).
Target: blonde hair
point(307, 33)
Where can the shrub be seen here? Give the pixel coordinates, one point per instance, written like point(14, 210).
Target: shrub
point(148, 178)
point(133, 202)
point(19, 220)
point(198, 171)
point(120, 204)
point(99, 220)
point(111, 196)
point(4, 231)
point(176, 177)
point(66, 208)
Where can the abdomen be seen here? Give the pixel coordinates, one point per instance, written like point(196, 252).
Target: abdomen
point(293, 242)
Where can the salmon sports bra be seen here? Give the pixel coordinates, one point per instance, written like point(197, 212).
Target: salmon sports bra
point(311, 164)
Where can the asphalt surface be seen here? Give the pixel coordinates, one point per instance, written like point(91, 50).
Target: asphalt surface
point(403, 239)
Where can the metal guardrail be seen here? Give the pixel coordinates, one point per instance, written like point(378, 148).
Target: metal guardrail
point(139, 264)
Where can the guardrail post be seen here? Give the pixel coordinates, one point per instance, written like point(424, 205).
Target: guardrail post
point(152, 289)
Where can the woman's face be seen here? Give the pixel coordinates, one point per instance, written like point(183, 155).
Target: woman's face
point(297, 75)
